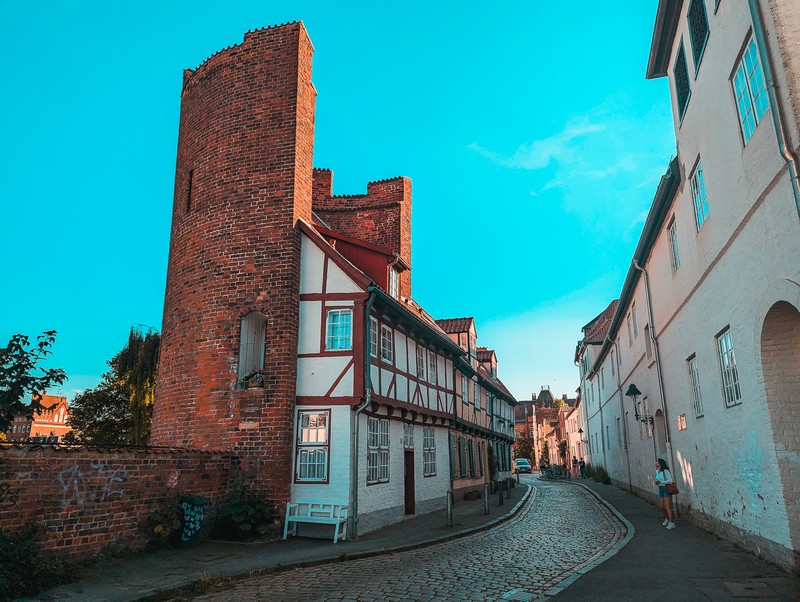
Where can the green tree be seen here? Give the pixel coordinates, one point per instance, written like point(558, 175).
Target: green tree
point(22, 378)
point(101, 416)
point(120, 409)
point(135, 368)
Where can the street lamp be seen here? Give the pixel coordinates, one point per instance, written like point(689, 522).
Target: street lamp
point(633, 392)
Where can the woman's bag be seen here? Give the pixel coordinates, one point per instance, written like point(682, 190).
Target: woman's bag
point(672, 489)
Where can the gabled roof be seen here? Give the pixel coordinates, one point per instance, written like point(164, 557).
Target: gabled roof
point(597, 329)
point(455, 325)
point(485, 354)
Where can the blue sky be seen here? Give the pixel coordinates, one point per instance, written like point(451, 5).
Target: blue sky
point(532, 138)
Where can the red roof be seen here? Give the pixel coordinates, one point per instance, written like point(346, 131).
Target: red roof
point(455, 325)
point(596, 330)
point(484, 354)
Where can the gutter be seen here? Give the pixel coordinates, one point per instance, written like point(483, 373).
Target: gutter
point(778, 120)
point(353, 527)
point(657, 351)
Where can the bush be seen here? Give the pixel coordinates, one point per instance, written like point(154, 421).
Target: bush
point(163, 524)
point(243, 515)
point(26, 567)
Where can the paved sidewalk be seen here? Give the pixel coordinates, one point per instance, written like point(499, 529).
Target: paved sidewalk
point(686, 563)
point(141, 576)
point(651, 564)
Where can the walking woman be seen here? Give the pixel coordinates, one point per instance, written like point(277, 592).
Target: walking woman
point(664, 476)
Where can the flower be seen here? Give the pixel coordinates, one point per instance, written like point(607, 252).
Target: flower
point(257, 374)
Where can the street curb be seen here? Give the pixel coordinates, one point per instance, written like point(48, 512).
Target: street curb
point(613, 551)
point(160, 593)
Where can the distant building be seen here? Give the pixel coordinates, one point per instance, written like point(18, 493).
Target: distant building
point(47, 425)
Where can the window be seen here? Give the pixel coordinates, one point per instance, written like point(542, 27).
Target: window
point(698, 29)
point(408, 436)
point(252, 344)
point(699, 196)
point(420, 362)
point(464, 388)
point(373, 337)
point(727, 364)
point(480, 457)
point(312, 446)
point(432, 367)
point(681, 74)
point(428, 451)
point(339, 332)
point(377, 450)
point(387, 344)
point(613, 364)
point(673, 245)
point(635, 321)
point(462, 457)
point(681, 422)
point(647, 341)
point(630, 330)
point(476, 395)
point(750, 91)
point(694, 385)
point(619, 431)
point(393, 278)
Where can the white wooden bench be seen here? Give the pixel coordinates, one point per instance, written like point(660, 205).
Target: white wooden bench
point(320, 512)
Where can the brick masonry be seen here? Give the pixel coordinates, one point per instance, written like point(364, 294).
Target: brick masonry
point(90, 498)
point(243, 179)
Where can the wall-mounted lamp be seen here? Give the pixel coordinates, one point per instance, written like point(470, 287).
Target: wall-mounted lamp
point(580, 433)
point(633, 392)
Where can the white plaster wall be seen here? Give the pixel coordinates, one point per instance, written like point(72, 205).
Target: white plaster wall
point(316, 375)
point(339, 282)
point(311, 264)
point(310, 327)
point(400, 351)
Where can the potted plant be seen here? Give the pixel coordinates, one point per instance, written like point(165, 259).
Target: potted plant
point(255, 378)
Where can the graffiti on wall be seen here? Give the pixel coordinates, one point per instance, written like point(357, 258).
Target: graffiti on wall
point(8, 495)
point(98, 483)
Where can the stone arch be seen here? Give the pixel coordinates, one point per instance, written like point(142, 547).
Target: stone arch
point(780, 362)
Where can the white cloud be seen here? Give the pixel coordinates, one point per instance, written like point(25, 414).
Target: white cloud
point(540, 153)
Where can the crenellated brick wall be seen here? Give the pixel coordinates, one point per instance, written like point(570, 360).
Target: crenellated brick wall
point(381, 217)
point(89, 498)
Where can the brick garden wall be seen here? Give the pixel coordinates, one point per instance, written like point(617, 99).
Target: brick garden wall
point(89, 498)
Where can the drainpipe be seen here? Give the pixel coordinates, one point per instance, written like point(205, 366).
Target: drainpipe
point(777, 107)
point(622, 415)
point(367, 399)
point(658, 364)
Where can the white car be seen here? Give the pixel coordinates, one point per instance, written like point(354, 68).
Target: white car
point(522, 465)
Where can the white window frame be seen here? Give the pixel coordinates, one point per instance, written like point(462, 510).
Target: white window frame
point(635, 321)
point(313, 440)
point(408, 435)
point(428, 451)
point(751, 105)
point(476, 390)
point(387, 344)
point(464, 388)
point(731, 390)
point(420, 362)
point(373, 337)
point(377, 450)
point(694, 385)
point(432, 371)
point(394, 278)
point(339, 330)
point(673, 245)
point(699, 196)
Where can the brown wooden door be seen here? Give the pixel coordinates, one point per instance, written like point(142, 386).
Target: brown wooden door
point(409, 482)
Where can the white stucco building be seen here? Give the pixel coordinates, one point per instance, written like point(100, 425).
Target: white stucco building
point(707, 327)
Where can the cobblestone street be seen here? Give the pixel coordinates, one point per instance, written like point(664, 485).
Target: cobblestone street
point(561, 530)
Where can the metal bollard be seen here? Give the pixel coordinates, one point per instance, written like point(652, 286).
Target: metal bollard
point(449, 507)
point(486, 498)
point(500, 489)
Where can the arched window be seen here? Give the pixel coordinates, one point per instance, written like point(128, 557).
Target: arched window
point(252, 345)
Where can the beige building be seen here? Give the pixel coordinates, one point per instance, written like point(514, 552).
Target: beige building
point(699, 363)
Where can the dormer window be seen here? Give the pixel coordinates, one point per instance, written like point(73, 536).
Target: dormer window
point(393, 283)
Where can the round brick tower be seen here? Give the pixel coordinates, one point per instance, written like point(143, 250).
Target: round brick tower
point(243, 178)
